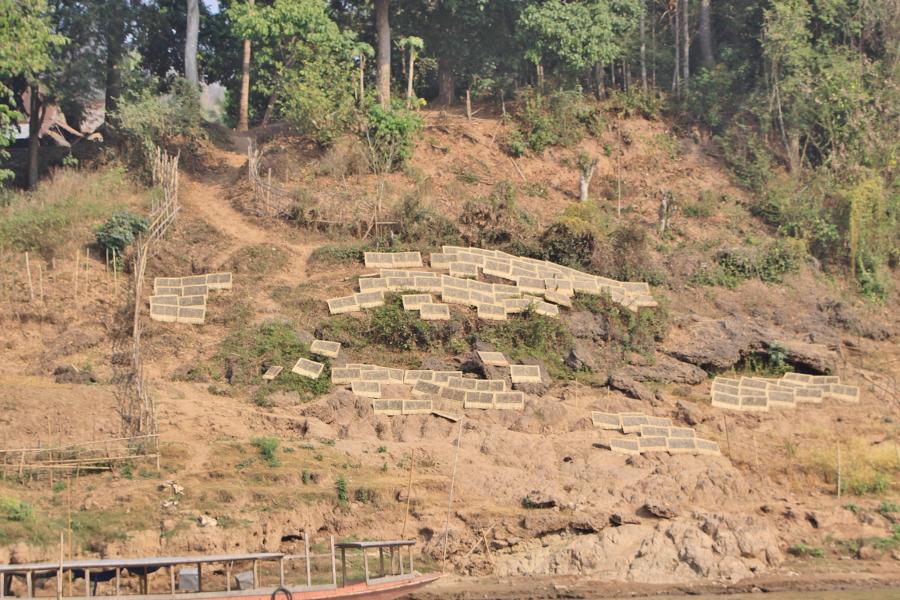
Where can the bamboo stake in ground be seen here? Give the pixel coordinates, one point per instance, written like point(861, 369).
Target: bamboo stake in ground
point(450, 499)
point(75, 297)
point(28, 271)
point(41, 282)
point(839, 482)
point(412, 465)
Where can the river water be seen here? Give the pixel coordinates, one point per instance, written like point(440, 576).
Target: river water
point(878, 594)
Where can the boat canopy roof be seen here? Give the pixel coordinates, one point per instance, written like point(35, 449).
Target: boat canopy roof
point(375, 544)
point(137, 563)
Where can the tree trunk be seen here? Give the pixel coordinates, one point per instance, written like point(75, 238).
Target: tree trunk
point(409, 81)
point(270, 108)
point(115, 41)
point(244, 105)
point(34, 139)
point(653, 50)
point(676, 26)
point(362, 79)
point(540, 76)
point(445, 83)
point(383, 53)
point(644, 47)
point(190, 41)
point(599, 77)
point(685, 43)
point(706, 49)
point(469, 103)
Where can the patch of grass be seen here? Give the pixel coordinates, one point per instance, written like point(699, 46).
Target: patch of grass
point(339, 254)
point(531, 335)
point(769, 264)
point(243, 354)
point(704, 207)
point(268, 449)
point(65, 208)
point(258, 260)
point(866, 469)
point(805, 551)
point(391, 327)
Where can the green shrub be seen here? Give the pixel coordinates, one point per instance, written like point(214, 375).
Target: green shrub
point(336, 254)
point(746, 154)
point(704, 207)
point(769, 263)
point(636, 332)
point(145, 120)
point(635, 102)
point(530, 335)
point(119, 231)
point(389, 137)
point(366, 496)
point(268, 448)
point(423, 226)
point(495, 219)
point(340, 487)
point(804, 550)
point(558, 119)
point(514, 143)
point(244, 353)
point(393, 327)
point(16, 510)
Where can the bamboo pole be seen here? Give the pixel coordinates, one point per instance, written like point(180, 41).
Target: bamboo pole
point(839, 482)
point(28, 271)
point(450, 499)
point(41, 282)
point(412, 464)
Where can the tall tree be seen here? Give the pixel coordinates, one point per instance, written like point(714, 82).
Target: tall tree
point(192, 33)
point(705, 33)
point(26, 42)
point(383, 52)
point(685, 42)
point(413, 45)
point(244, 102)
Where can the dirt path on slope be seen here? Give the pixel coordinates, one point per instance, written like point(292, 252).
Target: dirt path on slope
point(206, 197)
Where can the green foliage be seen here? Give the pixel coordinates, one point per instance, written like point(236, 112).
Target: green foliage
point(852, 220)
point(635, 102)
point(630, 331)
point(389, 136)
point(562, 118)
point(888, 507)
point(423, 226)
point(514, 143)
point(16, 510)
point(576, 236)
point(245, 352)
point(576, 35)
point(119, 231)
point(769, 263)
point(805, 551)
point(366, 495)
point(302, 59)
point(268, 449)
point(495, 220)
point(145, 120)
point(393, 327)
point(340, 488)
point(747, 154)
point(27, 40)
point(704, 207)
point(530, 335)
point(336, 254)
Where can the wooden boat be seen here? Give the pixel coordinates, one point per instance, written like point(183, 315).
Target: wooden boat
point(105, 577)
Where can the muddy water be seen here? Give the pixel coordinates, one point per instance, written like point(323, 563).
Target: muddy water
point(879, 594)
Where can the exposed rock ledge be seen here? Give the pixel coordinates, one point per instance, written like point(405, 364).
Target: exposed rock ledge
point(683, 550)
point(718, 344)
